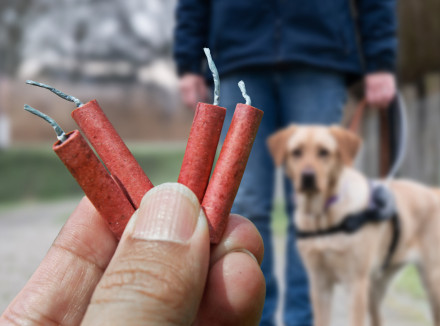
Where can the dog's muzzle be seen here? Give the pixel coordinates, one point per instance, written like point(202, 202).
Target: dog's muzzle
point(308, 181)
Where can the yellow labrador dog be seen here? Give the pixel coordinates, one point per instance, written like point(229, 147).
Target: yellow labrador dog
point(328, 190)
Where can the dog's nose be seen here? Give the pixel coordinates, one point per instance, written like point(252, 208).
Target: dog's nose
point(308, 181)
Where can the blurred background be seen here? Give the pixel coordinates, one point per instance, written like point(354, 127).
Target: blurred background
point(119, 52)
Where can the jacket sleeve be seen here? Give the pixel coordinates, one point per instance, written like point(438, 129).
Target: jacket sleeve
point(191, 35)
point(378, 25)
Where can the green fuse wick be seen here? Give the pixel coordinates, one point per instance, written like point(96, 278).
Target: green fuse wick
point(214, 71)
point(57, 92)
point(61, 135)
point(243, 92)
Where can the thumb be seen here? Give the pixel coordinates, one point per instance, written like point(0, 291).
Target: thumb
point(158, 272)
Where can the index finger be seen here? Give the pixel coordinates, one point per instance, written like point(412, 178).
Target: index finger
point(60, 289)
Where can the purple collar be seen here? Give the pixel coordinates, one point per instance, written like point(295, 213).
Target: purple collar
point(330, 201)
point(333, 199)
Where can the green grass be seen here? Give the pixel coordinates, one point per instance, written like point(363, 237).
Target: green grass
point(279, 218)
point(36, 173)
point(33, 173)
point(408, 282)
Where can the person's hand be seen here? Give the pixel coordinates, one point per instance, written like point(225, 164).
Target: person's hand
point(162, 273)
point(380, 89)
point(193, 89)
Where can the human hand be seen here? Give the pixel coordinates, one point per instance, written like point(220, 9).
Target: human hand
point(193, 89)
point(163, 271)
point(380, 89)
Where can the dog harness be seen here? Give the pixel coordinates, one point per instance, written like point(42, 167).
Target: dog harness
point(382, 208)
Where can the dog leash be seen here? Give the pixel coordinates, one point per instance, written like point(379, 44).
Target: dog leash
point(401, 134)
point(394, 126)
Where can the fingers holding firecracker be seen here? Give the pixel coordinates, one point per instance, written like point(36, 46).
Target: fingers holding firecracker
point(156, 275)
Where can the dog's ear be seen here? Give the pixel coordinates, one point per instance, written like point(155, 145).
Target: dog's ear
point(348, 143)
point(277, 143)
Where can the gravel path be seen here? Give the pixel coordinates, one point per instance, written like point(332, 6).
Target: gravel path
point(27, 231)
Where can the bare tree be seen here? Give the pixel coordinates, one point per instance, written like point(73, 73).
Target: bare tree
point(12, 25)
point(100, 35)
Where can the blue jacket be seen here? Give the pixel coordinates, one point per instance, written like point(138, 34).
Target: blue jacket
point(350, 36)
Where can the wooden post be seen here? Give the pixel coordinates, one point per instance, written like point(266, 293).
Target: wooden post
point(5, 122)
point(431, 102)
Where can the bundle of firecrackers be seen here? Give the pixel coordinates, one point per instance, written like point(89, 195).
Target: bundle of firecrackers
point(115, 183)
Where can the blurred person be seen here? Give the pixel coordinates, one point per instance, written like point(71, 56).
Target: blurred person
point(163, 275)
point(297, 59)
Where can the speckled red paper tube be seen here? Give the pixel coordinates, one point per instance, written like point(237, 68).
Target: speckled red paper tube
point(104, 193)
point(201, 148)
point(112, 150)
point(226, 178)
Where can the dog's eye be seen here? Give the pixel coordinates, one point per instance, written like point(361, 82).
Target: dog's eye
point(297, 153)
point(323, 153)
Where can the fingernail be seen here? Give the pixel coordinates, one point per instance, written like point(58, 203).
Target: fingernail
point(245, 251)
point(215, 259)
point(168, 212)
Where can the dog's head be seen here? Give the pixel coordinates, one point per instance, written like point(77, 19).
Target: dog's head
point(313, 155)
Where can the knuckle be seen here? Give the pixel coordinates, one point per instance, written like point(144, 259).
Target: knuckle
point(137, 277)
